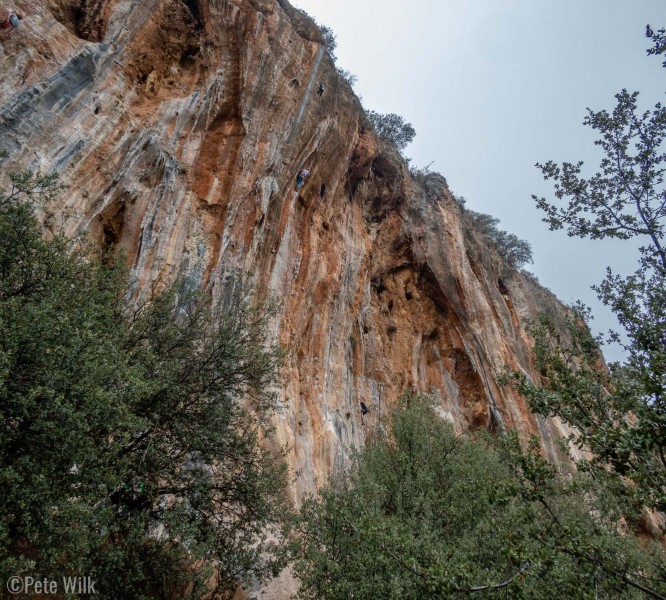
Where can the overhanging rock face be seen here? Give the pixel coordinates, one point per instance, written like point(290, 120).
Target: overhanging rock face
point(180, 127)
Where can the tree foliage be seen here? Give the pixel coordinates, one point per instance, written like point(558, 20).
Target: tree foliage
point(625, 197)
point(126, 453)
point(392, 128)
point(426, 513)
point(348, 76)
point(621, 415)
point(659, 40)
point(515, 251)
point(610, 417)
point(330, 40)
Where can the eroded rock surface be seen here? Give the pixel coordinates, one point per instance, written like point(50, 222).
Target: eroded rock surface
point(180, 126)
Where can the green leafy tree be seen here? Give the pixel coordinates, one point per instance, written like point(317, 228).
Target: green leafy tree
point(621, 415)
point(515, 251)
point(328, 35)
point(348, 76)
point(392, 128)
point(659, 40)
point(608, 410)
point(426, 513)
point(126, 451)
point(330, 40)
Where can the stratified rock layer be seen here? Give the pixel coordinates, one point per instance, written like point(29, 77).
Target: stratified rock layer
point(180, 126)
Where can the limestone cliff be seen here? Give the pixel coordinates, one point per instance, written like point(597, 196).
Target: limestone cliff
point(180, 125)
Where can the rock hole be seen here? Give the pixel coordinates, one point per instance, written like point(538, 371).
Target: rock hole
point(188, 55)
point(502, 287)
point(390, 305)
point(85, 20)
point(112, 221)
point(96, 111)
point(391, 329)
point(378, 167)
point(193, 6)
point(366, 329)
point(378, 284)
point(322, 191)
point(408, 295)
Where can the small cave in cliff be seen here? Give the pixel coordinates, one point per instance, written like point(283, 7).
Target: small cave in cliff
point(431, 288)
point(164, 59)
point(379, 167)
point(376, 206)
point(188, 56)
point(502, 287)
point(82, 18)
point(195, 10)
point(472, 393)
point(112, 221)
point(378, 284)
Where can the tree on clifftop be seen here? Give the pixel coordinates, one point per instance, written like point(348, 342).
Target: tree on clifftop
point(393, 128)
point(510, 247)
point(330, 40)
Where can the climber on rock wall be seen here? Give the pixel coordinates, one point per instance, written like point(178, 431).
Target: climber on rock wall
point(320, 91)
point(301, 177)
point(12, 21)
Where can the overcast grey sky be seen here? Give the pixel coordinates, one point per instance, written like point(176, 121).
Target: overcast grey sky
point(493, 86)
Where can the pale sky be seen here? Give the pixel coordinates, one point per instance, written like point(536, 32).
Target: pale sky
point(493, 86)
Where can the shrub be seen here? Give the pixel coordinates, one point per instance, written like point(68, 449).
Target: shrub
point(424, 512)
point(348, 76)
point(330, 40)
point(461, 201)
point(126, 452)
point(392, 128)
point(420, 173)
point(515, 251)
